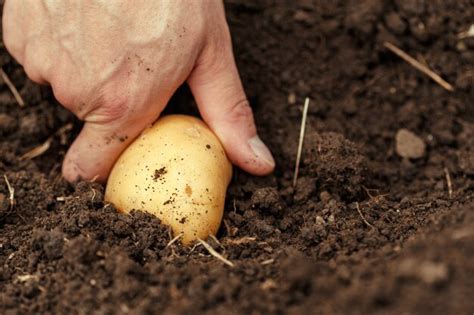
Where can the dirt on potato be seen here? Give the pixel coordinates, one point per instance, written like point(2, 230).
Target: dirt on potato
point(366, 229)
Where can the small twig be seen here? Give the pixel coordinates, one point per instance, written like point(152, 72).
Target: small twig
point(12, 88)
point(94, 179)
point(213, 252)
point(368, 190)
point(217, 241)
point(193, 248)
point(419, 66)
point(450, 185)
point(42, 148)
point(468, 33)
point(268, 261)
point(227, 227)
point(93, 194)
point(177, 237)
point(170, 232)
point(11, 190)
point(37, 151)
point(243, 240)
point(362, 216)
point(25, 278)
point(300, 144)
point(373, 198)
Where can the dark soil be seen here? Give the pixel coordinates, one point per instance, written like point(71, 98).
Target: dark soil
point(363, 232)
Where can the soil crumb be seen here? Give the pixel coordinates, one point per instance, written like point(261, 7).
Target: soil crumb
point(158, 174)
point(335, 163)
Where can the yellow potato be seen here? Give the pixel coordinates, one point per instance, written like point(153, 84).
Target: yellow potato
point(176, 170)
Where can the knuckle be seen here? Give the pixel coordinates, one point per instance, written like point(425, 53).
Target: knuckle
point(217, 53)
point(12, 42)
point(107, 107)
point(98, 105)
point(32, 72)
point(241, 112)
point(63, 95)
point(115, 111)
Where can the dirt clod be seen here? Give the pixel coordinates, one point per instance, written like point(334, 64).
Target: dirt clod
point(336, 163)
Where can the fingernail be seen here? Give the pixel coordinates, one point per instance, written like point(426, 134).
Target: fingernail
point(261, 151)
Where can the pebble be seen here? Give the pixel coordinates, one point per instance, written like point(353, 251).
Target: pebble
point(320, 220)
point(331, 219)
point(433, 273)
point(429, 272)
point(409, 145)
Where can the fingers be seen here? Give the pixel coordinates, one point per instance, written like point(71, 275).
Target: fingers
point(98, 146)
point(218, 91)
point(94, 151)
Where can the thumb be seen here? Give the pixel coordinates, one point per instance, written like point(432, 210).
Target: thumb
point(98, 145)
point(218, 91)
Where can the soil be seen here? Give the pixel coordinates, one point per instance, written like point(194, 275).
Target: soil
point(365, 231)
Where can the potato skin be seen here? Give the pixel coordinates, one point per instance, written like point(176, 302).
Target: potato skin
point(177, 170)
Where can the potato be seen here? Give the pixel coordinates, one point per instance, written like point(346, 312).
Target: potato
point(177, 170)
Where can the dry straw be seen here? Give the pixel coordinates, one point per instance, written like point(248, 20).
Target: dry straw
point(300, 143)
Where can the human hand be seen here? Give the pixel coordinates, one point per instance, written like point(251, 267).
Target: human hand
point(116, 64)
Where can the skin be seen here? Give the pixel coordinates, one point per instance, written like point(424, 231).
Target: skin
point(115, 64)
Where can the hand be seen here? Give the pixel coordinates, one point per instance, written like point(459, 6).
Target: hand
point(116, 64)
